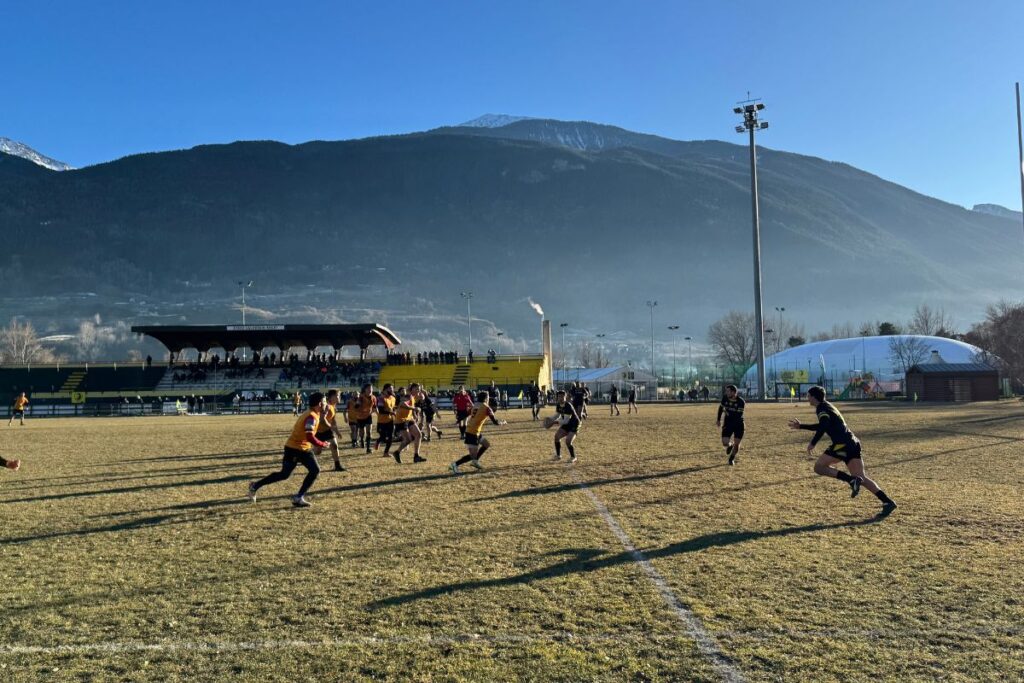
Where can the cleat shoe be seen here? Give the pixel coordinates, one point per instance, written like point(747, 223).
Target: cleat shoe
point(397, 456)
point(732, 459)
point(476, 464)
point(368, 450)
point(572, 459)
point(440, 434)
point(418, 458)
point(557, 457)
point(13, 465)
point(454, 468)
point(338, 467)
point(301, 502)
point(855, 487)
point(252, 492)
point(887, 509)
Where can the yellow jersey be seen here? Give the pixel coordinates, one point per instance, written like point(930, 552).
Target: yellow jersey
point(327, 419)
point(351, 408)
point(386, 410)
point(365, 407)
point(308, 422)
point(406, 411)
point(475, 424)
point(20, 403)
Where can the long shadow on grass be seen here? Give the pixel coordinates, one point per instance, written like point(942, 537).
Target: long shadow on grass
point(573, 486)
point(132, 489)
point(585, 560)
point(90, 480)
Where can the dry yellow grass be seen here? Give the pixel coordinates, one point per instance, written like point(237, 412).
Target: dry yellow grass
point(130, 553)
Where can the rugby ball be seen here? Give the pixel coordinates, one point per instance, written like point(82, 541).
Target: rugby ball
point(550, 422)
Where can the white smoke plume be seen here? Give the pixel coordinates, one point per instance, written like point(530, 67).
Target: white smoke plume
point(536, 306)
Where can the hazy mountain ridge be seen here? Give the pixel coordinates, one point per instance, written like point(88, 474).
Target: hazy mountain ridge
point(20, 149)
point(615, 217)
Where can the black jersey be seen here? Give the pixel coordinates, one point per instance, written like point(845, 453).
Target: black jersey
point(732, 408)
point(567, 410)
point(831, 422)
point(614, 394)
point(427, 404)
point(579, 398)
point(534, 393)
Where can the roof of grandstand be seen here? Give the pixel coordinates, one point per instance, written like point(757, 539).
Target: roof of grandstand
point(231, 337)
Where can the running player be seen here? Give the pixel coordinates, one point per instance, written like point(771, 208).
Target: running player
point(328, 430)
point(364, 414)
point(19, 409)
point(427, 412)
point(386, 418)
point(405, 425)
point(569, 427)
point(534, 394)
point(299, 449)
point(631, 401)
point(613, 401)
point(476, 444)
point(580, 395)
point(845, 448)
point(297, 403)
point(462, 404)
point(13, 465)
point(732, 406)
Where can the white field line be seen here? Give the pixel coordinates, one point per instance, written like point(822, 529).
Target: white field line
point(692, 623)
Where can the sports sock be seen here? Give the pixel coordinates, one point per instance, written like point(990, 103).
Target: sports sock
point(462, 431)
point(463, 460)
point(572, 451)
point(843, 476)
point(3, 463)
point(480, 452)
point(558, 448)
point(882, 497)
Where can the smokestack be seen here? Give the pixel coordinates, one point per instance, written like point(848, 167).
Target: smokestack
point(545, 334)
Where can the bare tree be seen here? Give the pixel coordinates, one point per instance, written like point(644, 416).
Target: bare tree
point(92, 339)
point(20, 344)
point(590, 355)
point(782, 331)
point(907, 351)
point(930, 321)
point(733, 340)
point(838, 331)
point(999, 337)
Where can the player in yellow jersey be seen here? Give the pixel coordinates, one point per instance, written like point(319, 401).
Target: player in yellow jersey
point(386, 418)
point(297, 403)
point(352, 417)
point(328, 431)
point(364, 416)
point(19, 409)
point(299, 449)
point(475, 442)
point(405, 424)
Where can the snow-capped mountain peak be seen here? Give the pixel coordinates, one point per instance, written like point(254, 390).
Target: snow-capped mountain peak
point(15, 148)
point(493, 121)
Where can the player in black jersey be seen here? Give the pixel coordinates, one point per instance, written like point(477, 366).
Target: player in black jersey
point(533, 392)
point(569, 426)
point(613, 401)
point(845, 448)
point(732, 406)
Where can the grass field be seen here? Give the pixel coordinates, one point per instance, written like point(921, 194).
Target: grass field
point(130, 553)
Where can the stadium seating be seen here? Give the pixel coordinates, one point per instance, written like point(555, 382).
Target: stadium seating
point(511, 373)
point(58, 382)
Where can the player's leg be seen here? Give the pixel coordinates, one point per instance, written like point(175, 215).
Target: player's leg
point(570, 439)
point(824, 466)
point(288, 463)
point(856, 467)
point(417, 439)
point(13, 465)
point(484, 445)
point(737, 439)
point(336, 454)
point(367, 438)
point(559, 435)
point(310, 463)
point(354, 427)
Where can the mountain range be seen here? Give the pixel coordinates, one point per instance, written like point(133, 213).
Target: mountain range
point(590, 220)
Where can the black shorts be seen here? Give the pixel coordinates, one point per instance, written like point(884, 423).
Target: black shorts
point(326, 436)
point(386, 429)
point(613, 400)
point(845, 452)
point(572, 427)
point(461, 415)
point(401, 427)
point(472, 439)
point(428, 415)
point(295, 455)
point(19, 413)
point(732, 430)
point(364, 422)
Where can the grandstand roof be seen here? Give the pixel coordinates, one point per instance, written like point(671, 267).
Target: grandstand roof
point(231, 337)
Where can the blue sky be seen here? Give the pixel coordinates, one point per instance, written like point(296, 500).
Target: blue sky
point(918, 92)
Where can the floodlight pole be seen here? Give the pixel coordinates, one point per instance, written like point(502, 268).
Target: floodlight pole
point(468, 296)
point(1020, 152)
point(749, 111)
point(651, 305)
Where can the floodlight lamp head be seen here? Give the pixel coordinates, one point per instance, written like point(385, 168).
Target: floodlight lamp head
point(760, 106)
point(737, 110)
point(739, 129)
point(764, 124)
point(749, 108)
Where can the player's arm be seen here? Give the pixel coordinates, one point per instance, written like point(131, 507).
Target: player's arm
point(311, 436)
point(721, 409)
point(494, 418)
